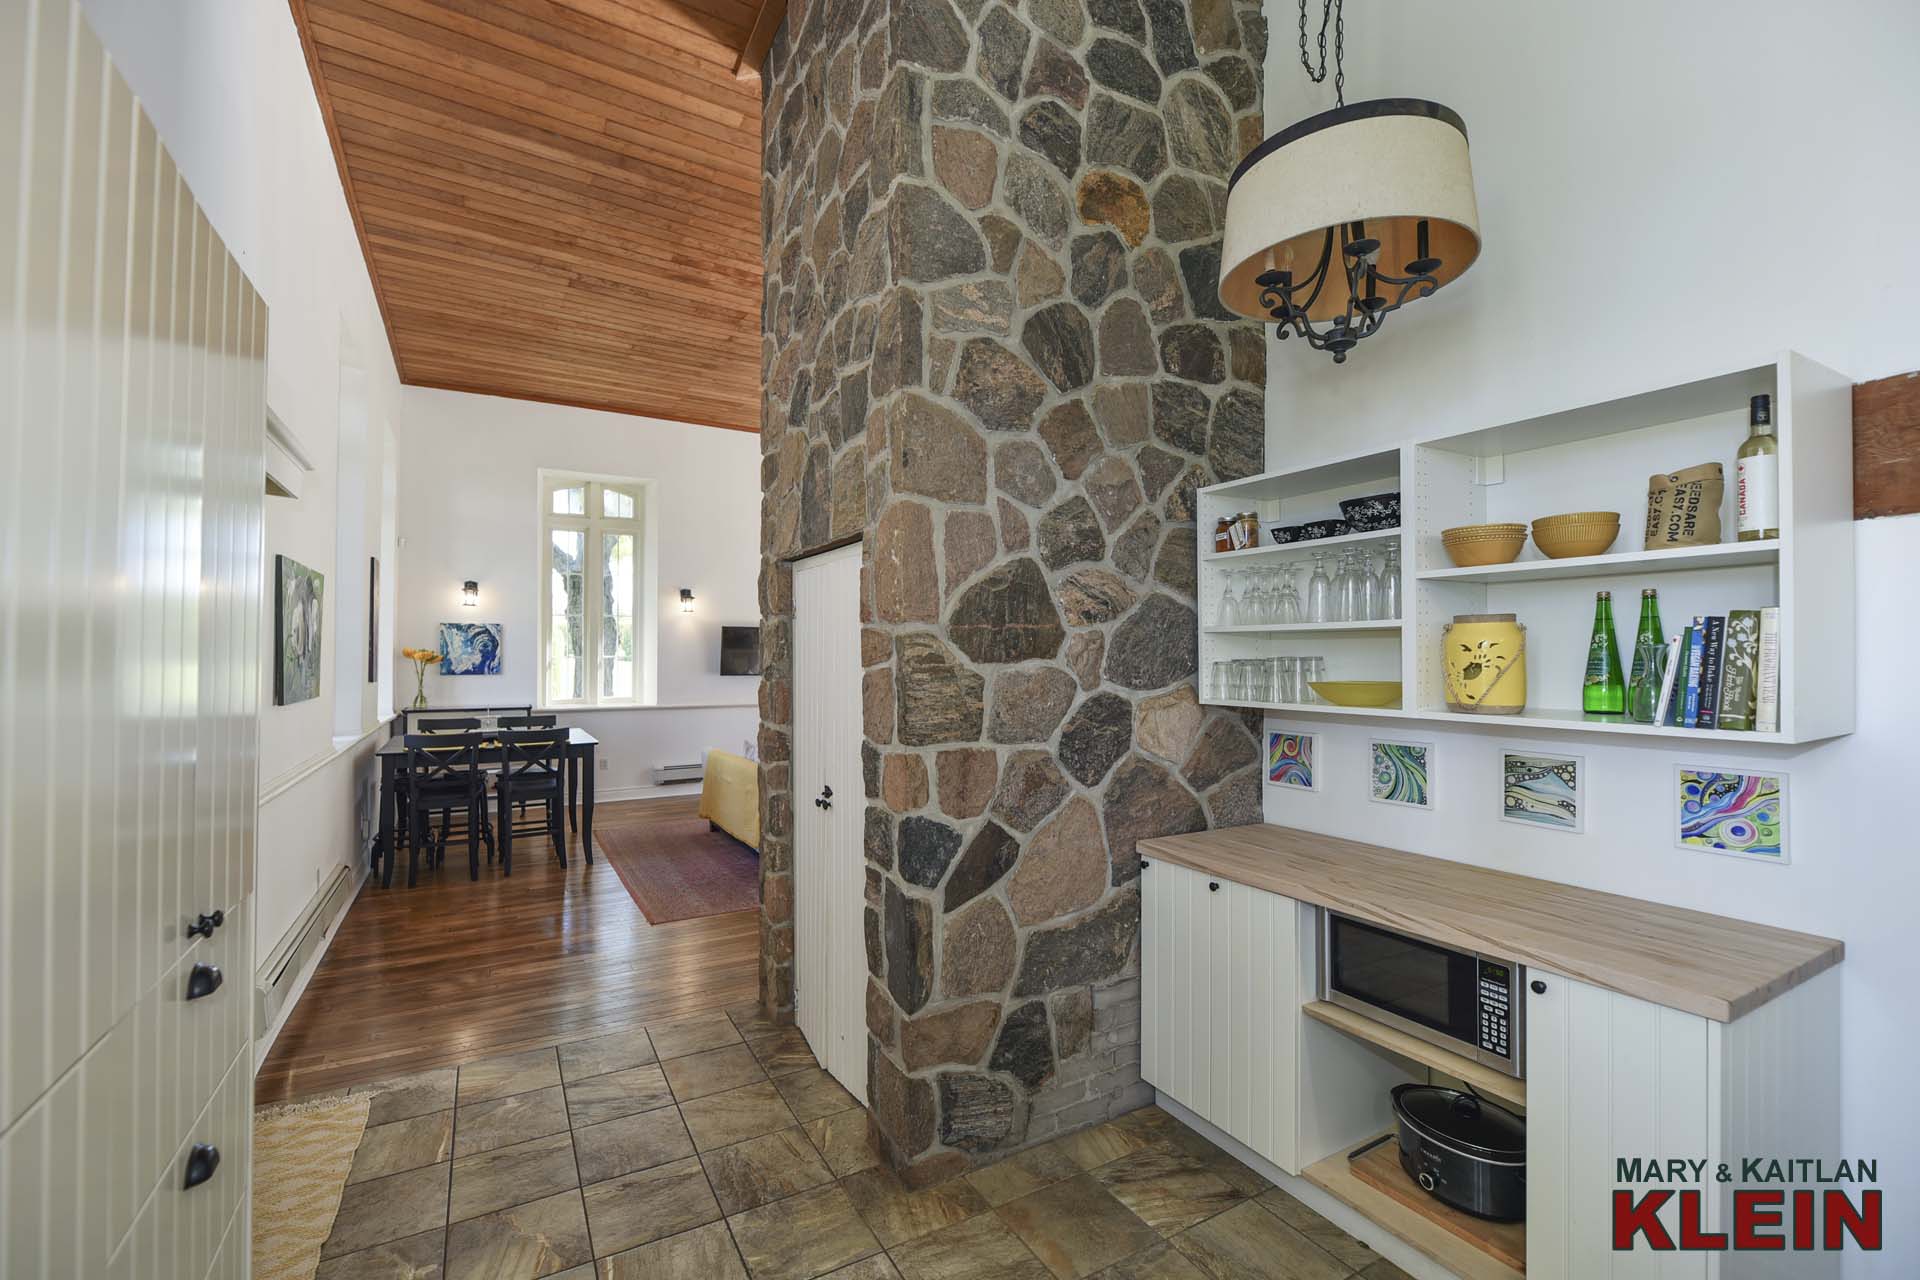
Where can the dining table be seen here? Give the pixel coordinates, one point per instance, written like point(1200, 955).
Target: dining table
point(392, 755)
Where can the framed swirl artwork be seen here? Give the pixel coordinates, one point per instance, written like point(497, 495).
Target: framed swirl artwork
point(1293, 760)
point(1400, 772)
point(1743, 815)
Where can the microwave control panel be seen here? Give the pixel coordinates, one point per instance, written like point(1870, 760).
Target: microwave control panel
point(1496, 1017)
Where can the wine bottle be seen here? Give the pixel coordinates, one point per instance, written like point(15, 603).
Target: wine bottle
point(1649, 661)
point(1604, 692)
point(1758, 474)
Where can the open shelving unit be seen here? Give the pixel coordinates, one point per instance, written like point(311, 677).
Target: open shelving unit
point(1594, 457)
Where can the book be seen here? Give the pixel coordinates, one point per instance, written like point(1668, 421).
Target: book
point(1690, 709)
point(1677, 704)
point(1766, 692)
point(1710, 663)
point(1739, 669)
point(1663, 710)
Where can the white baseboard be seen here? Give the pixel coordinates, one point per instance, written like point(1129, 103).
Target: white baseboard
point(264, 1043)
point(607, 795)
point(1354, 1223)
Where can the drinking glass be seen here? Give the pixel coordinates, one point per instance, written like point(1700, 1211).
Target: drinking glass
point(1229, 607)
point(1259, 680)
point(1390, 584)
point(1346, 591)
point(1313, 671)
point(1221, 680)
point(1319, 591)
point(1287, 682)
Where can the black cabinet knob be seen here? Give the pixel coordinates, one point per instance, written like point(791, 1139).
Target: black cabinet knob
point(201, 1162)
point(1143, 864)
point(1539, 987)
point(205, 925)
point(1213, 886)
point(204, 980)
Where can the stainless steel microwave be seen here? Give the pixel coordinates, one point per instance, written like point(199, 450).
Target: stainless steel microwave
point(1468, 1003)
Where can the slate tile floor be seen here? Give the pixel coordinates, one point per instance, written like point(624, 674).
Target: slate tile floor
point(714, 1148)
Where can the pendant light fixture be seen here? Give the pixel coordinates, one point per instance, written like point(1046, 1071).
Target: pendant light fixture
point(1348, 215)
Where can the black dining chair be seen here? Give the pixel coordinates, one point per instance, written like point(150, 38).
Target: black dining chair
point(527, 722)
point(445, 776)
point(532, 772)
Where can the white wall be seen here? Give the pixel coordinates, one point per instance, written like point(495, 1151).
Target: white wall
point(469, 508)
point(227, 86)
point(1664, 189)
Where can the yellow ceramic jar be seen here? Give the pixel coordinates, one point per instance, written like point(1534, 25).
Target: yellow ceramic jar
point(1485, 656)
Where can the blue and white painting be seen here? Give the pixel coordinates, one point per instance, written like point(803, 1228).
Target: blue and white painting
point(470, 648)
point(1542, 790)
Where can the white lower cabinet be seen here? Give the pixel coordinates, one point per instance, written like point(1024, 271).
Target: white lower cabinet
point(1219, 1005)
point(1611, 1077)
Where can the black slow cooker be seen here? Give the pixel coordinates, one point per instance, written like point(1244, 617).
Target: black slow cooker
point(1464, 1150)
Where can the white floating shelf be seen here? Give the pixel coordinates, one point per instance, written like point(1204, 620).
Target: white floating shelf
point(1383, 626)
point(1300, 550)
point(1532, 719)
point(1725, 555)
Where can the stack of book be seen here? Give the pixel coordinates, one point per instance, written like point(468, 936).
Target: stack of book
point(1723, 672)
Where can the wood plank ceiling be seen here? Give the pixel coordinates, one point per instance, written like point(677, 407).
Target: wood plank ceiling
point(558, 200)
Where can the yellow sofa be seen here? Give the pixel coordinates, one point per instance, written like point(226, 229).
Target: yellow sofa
point(730, 796)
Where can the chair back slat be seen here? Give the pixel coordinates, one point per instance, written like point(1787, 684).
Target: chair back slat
point(532, 755)
point(443, 757)
point(528, 722)
point(461, 724)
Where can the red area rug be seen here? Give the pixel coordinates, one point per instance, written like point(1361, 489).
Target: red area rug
point(680, 870)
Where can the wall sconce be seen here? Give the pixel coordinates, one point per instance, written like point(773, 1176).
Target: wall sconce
point(686, 599)
point(470, 593)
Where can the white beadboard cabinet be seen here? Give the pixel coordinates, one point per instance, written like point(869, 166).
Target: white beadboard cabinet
point(1609, 1076)
point(132, 488)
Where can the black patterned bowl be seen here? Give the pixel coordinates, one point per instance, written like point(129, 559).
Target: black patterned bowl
point(1282, 534)
point(1373, 514)
point(1314, 530)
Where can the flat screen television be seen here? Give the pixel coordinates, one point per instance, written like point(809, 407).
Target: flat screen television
point(739, 651)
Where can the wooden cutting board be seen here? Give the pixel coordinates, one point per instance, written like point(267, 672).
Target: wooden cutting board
point(1380, 1169)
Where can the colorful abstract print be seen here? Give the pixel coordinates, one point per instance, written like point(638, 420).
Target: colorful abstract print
point(1544, 790)
point(1733, 813)
point(470, 648)
point(1400, 773)
point(1290, 760)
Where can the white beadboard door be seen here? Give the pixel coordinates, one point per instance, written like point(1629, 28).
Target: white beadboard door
point(1220, 1008)
point(829, 857)
point(132, 417)
point(1607, 1076)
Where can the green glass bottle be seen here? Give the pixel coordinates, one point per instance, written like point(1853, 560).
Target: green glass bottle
point(1649, 661)
point(1604, 692)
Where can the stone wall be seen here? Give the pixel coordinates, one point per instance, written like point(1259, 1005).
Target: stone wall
point(994, 353)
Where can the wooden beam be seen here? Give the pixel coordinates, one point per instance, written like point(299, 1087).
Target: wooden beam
point(765, 26)
point(1886, 446)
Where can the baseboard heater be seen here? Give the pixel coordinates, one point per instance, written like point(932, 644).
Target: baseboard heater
point(665, 773)
point(274, 981)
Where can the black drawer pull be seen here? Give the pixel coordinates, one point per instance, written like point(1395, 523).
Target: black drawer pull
point(205, 925)
point(1539, 987)
point(1213, 886)
point(204, 981)
point(201, 1162)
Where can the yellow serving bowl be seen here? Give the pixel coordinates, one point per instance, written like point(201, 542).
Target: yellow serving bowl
point(1478, 544)
point(1357, 693)
point(1578, 533)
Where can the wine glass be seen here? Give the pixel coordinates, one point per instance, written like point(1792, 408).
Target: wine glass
point(1346, 591)
point(1319, 591)
point(1288, 610)
point(1229, 607)
point(1369, 588)
point(1390, 584)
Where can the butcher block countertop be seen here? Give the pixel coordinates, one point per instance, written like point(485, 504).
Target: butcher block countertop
point(1709, 965)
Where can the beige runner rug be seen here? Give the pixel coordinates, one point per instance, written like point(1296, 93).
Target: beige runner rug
point(302, 1154)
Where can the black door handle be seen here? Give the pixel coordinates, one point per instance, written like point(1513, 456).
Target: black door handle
point(1539, 987)
point(825, 799)
point(205, 925)
point(204, 980)
point(201, 1162)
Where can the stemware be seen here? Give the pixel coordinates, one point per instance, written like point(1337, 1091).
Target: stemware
point(1319, 591)
point(1229, 607)
point(1288, 610)
point(1369, 588)
point(1390, 584)
point(1346, 591)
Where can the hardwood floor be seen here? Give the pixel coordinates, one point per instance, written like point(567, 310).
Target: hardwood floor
point(456, 969)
